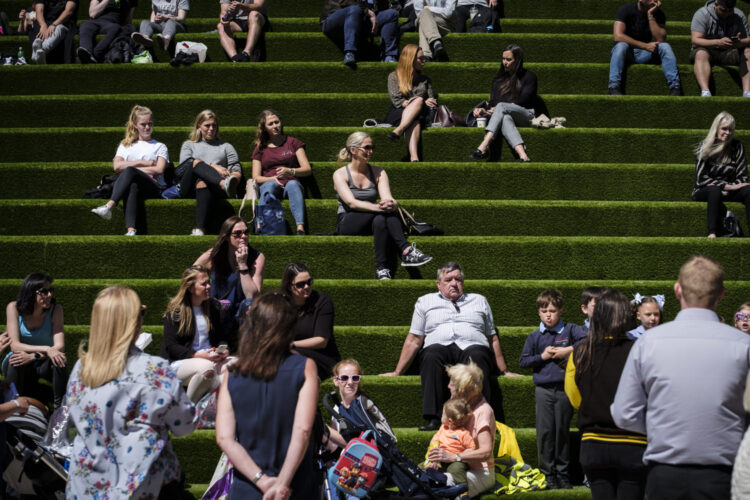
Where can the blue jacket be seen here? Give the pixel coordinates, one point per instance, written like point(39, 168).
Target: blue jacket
point(551, 370)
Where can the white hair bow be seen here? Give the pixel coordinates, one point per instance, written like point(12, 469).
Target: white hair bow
point(638, 298)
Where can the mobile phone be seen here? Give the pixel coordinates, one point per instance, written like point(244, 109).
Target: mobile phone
point(734, 38)
point(222, 349)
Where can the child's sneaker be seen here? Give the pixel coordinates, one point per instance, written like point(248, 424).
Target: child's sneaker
point(383, 274)
point(104, 212)
point(414, 257)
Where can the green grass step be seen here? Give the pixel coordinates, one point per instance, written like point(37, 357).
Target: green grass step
point(362, 302)
point(455, 217)
point(579, 145)
point(507, 181)
point(303, 109)
point(460, 47)
point(475, 78)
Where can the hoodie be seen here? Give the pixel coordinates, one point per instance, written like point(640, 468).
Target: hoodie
point(707, 22)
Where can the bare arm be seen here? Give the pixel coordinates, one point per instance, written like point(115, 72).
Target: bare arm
point(699, 40)
point(412, 345)
point(69, 7)
point(247, 7)
point(257, 169)
point(204, 259)
point(482, 452)
point(253, 281)
point(497, 351)
point(96, 7)
point(312, 343)
point(16, 345)
point(341, 185)
point(56, 352)
point(39, 8)
point(620, 36)
point(150, 167)
point(304, 168)
point(384, 187)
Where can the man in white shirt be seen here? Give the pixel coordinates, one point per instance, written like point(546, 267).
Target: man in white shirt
point(435, 18)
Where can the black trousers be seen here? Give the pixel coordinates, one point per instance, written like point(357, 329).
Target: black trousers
point(204, 198)
point(688, 482)
point(385, 228)
point(133, 186)
point(716, 210)
point(432, 363)
point(615, 470)
point(26, 379)
point(87, 34)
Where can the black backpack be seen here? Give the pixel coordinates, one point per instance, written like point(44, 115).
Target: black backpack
point(122, 50)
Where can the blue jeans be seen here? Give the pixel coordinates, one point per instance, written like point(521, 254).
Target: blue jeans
point(346, 27)
point(292, 191)
point(387, 23)
point(623, 55)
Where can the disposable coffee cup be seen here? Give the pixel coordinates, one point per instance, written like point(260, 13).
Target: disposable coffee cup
point(482, 122)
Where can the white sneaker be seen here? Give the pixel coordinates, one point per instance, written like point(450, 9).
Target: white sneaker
point(705, 93)
point(130, 233)
point(37, 53)
point(197, 232)
point(163, 41)
point(104, 212)
point(230, 186)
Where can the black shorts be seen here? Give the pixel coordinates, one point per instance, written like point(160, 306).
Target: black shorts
point(729, 57)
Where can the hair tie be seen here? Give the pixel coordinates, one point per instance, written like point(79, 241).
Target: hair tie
point(638, 299)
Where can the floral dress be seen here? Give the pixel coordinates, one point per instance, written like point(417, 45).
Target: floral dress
point(122, 447)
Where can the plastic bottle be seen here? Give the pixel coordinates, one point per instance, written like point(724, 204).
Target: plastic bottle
point(20, 52)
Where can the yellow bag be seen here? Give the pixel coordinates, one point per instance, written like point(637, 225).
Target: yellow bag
point(508, 443)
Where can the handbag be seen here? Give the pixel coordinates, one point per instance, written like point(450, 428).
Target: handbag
point(416, 227)
point(730, 226)
point(471, 120)
point(444, 117)
point(251, 194)
point(270, 219)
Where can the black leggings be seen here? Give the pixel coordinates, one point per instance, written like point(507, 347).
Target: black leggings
point(204, 197)
point(132, 187)
point(26, 378)
point(384, 227)
point(716, 209)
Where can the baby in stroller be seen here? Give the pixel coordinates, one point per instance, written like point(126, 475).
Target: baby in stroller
point(454, 438)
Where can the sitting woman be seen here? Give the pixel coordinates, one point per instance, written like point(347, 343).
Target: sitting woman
point(37, 341)
point(358, 186)
point(313, 334)
point(236, 268)
point(213, 169)
point(466, 383)
point(721, 172)
point(278, 160)
point(140, 161)
point(511, 104)
point(411, 97)
point(124, 404)
point(267, 406)
point(194, 340)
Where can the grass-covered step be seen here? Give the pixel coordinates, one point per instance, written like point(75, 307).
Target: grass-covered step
point(578, 145)
point(461, 47)
point(362, 302)
point(507, 258)
point(505, 180)
point(559, 78)
point(455, 217)
point(307, 109)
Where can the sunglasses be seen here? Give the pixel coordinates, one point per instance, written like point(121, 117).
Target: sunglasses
point(45, 291)
point(299, 285)
point(240, 234)
point(367, 148)
point(345, 378)
point(742, 316)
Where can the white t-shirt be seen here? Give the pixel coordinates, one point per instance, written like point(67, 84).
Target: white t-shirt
point(144, 150)
point(200, 341)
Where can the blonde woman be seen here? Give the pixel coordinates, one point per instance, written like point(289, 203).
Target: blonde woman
point(140, 160)
point(123, 404)
point(411, 97)
point(721, 171)
point(366, 206)
point(195, 341)
point(212, 171)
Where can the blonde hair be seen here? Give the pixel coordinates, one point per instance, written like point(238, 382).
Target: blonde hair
point(115, 323)
point(405, 68)
point(701, 281)
point(196, 135)
point(710, 147)
point(261, 134)
point(467, 380)
point(180, 307)
point(458, 410)
point(131, 133)
point(350, 361)
point(353, 141)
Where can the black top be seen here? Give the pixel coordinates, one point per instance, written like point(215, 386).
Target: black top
point(117, 12)
point(176, 347)
point(332, 6)
point(636, 22)
point(316, 320)
point(526, 95)
point(53, 9)
point(598, 386)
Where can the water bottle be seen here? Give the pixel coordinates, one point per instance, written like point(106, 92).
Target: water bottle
point(228, 15)
point(20, 52)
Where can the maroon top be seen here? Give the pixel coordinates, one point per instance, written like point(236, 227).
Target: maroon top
point(281, 156)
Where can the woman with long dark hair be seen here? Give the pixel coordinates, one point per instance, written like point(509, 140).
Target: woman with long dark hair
point(313, 333)
point(37, 342)
point(721, 171)
point(411, 98)
point(213, 170)
point(612, 458)
point(267, 406)
point(511, 104)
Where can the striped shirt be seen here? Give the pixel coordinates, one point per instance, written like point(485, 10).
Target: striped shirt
point(465, 322)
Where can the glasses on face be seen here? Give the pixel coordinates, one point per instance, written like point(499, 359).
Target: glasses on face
point(210, 125)
point(367, 148)
point(45, 291)
point(299, 285)
point(742, 316)
point(345, 378)
point(240, 234)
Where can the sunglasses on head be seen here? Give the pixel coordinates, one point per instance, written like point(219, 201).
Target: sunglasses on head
point(45, 291)
point(345, 378)
point(240, 234)
point(742, 316)
point(299, 285)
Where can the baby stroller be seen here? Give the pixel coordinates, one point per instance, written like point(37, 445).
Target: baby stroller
point(33, 471)
point(411, 481)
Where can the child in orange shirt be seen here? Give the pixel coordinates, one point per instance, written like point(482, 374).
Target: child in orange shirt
point(454, 438)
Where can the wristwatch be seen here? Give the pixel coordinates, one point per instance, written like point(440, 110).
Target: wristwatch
point(37, 355)
point(257, 477)
point(458, 458)
point(243, 271)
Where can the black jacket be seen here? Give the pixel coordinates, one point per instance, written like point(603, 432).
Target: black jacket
point(175, 347)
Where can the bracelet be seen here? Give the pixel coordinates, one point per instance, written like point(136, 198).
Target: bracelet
point(18, 405)
point(243, 271)
point(257, 477)
point(294, 170)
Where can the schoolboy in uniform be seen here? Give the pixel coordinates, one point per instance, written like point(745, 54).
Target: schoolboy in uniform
point(546, 351)
point(588, 301)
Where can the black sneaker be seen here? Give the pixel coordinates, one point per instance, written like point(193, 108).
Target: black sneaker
point(438, 50)
point(142, 40)
point(85, 56)
point(552, 483)
point(615, 90)
point(564, 484)
point(414, 258)
point(477, 154)
point(675, 91)
point(383, 274)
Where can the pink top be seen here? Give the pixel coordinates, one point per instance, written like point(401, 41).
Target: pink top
point(454, 440)
point(483, 419)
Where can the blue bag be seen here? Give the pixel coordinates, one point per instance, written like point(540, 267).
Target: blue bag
point(270, 219)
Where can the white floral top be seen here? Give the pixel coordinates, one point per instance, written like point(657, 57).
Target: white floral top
point(122, 449)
